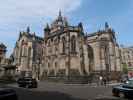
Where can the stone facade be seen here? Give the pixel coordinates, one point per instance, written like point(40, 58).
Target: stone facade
point(2, 58)
point(105, 52)
point(6, 68)
point(127, 60)
point(63, 49)
point(2, 53)
point(66, 51)
point(27, 53)
point(127, 56)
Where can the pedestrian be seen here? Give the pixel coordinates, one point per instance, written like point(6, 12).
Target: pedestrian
point(101, 80)
point(104, 81)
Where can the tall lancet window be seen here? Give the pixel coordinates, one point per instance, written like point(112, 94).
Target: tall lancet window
point(73, 44)
point(24, 48)
point(29, 52)
point(29, 56)
point(63, 43)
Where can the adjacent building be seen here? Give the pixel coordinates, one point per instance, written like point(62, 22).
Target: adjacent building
point(2, 53)
point(127, 60)
point(127, 56)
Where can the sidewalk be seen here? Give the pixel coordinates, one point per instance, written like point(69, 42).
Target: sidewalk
point(107, 84)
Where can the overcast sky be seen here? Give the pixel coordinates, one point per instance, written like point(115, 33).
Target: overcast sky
point(16, 15)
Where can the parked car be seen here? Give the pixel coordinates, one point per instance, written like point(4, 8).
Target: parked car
point(124, 90)
point(8, 94)
point(27, 82)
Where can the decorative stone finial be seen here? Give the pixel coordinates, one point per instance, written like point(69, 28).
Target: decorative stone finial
point(47, 26)
point(80, 25)
point(47, 29)
point(59, 13)
point(28, 29)
point(106, 25)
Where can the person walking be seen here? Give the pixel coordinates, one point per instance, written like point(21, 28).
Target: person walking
point(101, 80)
point(104, 81)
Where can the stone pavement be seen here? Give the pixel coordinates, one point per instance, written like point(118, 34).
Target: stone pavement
point(83, 91)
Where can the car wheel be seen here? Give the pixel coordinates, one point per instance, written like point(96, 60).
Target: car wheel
point(115, 94)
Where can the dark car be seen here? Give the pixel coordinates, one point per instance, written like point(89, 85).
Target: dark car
point(124, 90)
point(8, 94)
point(27, 82)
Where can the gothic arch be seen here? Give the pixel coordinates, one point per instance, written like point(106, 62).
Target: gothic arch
point(21, 48)
point(63, 44)
point(29, 56)
point(48, 65)
point(29, 52)
point(90, 57)
point(104, 54)
point(73, 44)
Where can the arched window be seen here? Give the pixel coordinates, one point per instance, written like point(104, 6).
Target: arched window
point(21, 48)
point(73, 44)
point(55, 64)
point(90, 57)
point(48, 65)
point(29, 52)
point(24, 49)
point(63, 43)
point(48, 43)
point(29, 56)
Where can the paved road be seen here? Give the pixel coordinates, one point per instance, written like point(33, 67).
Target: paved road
point(58, 91)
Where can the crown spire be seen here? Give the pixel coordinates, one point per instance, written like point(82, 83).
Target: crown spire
point(47, 26)
point(106, 25)
point(60, 13)
point(28, 29)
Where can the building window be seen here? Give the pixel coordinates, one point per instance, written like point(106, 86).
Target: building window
point(73, 44)
point(55, 64)
point(56, 49)
point(129, 64)
point(29, 56)
point(29, 52)
point(48, 65)
point(63, 43)
point(48, 43)
point(24, 51)
point(58, 39)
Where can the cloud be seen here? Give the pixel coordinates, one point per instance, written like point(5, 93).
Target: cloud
point(19, 9)
point(17, 14)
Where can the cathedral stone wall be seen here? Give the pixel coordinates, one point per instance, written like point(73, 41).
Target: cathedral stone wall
point(27, 53)
point(65, 51)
